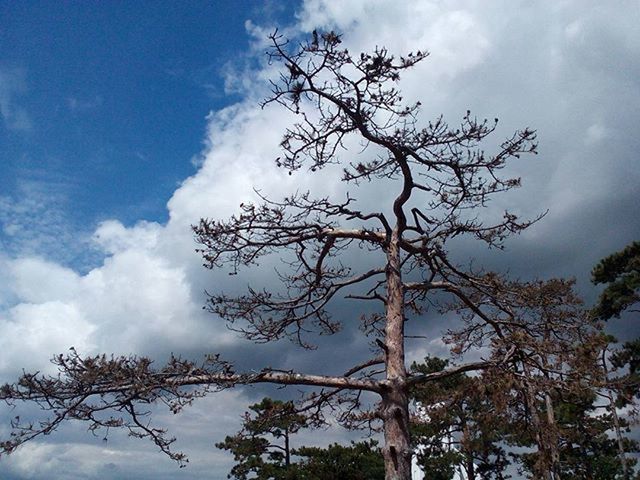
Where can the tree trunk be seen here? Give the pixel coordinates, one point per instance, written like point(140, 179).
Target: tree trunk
point(543, 465)
point(469, 466)
point(616, 420)
point(397, 449)
point(544, 462)
point(552, 433)
point(620, 441)
point(287, 448)
point(395, 400)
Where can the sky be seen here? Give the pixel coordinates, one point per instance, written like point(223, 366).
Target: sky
point(122, 124)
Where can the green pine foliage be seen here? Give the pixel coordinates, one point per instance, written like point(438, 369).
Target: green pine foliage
point(621, 274)
point(481, 426)
point(587, 448)
point(461, 429)
point(358, 461)
point(263, 449)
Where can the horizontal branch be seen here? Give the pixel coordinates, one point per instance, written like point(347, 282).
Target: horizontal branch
point(356, 234)
point(431, 377)
point(279, 378)
point(115, 392)
point(466, 367)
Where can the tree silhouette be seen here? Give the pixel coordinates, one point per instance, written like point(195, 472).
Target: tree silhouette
point(620, 272)
point(440, 180)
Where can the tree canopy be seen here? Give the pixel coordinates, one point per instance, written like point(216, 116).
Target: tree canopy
point(264, 449)
point(620, 272)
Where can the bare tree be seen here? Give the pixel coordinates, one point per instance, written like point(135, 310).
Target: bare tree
point(443, 179)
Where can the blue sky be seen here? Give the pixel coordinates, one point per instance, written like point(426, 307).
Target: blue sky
point(106, 102)
point(123, 123)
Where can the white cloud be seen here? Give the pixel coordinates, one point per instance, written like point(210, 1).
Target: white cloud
point(79, 455)
point(113, 237)
point(456, 38)
point(32, 333)
point(36, 280)
point(574, 30)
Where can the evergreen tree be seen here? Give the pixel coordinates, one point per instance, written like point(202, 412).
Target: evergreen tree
point(358, 461)
point(586, 448)
point(263, 447)
point(620, 272)
point(460, 429)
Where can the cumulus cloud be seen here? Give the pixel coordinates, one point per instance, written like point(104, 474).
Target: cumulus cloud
point(564, 68)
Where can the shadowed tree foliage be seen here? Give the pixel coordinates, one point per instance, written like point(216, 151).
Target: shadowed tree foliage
point(358, 461)
point(584, 430)
point(558, 354)
point(575, 408)
point(460, 428)
point(620, 272)
point(468, 427)
point(588, 448)
point(262, 449)
point(556, 358)
point(436, 179)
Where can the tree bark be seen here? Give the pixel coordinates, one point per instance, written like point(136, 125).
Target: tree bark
point(553, 437)
point(616, 420)
point(469, 466)
point(620, 439)
point(287, 451)
point(543, 466)
point(395, 398)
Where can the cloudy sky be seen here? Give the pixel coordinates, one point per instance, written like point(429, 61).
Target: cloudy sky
point(120, 126)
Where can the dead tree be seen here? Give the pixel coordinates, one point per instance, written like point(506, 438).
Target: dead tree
point(442, 179)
